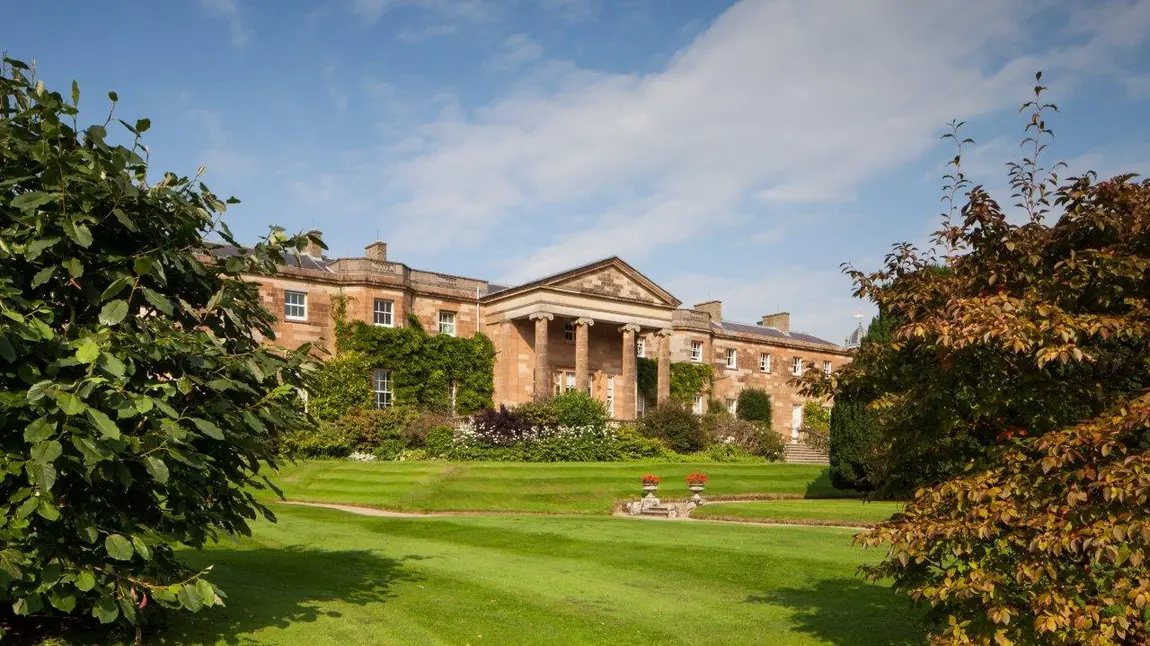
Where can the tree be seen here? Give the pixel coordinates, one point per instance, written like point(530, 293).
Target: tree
point(1042, 330)
point(855, 441)
point(137, 402)
point(754, 406)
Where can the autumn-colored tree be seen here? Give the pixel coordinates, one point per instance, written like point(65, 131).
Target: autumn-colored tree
point(1039, 334)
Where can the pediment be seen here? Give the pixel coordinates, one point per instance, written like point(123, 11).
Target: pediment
point(614, 279)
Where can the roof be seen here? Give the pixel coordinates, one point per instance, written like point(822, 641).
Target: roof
point(774, 333)
point(494, 290)
point(292, 259)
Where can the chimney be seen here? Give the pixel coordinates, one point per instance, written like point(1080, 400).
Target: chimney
point(781, 321)
point(714, 308)
point(377, 251)
point(312, 249)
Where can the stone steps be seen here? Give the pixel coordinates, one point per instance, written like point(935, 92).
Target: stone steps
point(803, 454)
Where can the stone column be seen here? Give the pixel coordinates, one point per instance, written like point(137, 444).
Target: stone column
point(542, 359)
point(664, 390)
point(582, 327)
point(625, 393)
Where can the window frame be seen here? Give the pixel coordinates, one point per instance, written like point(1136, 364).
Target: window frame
point(765, 363)
point(732, 359)
point(641, 348)
point(697, 405)
point(569, 331)
point(453, 331)
point(827, 367)
point(797, 366)
point(610, 393)
point(375, 312)
point(302, 305)
point(697, 357)
point(382, 388)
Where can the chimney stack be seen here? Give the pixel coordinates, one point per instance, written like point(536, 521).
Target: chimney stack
point(781, 321)
point(714, 308)
point(312, 249)
point(377, 251)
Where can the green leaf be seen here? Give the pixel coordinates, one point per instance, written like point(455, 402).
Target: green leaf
point(36, 247)
point(107, 427)
point(47, 510)
point(69, 403)
point(78, 232)
point(115, 287)
point(113, 96)
point(142, 548)
point(208, 428)
point(143, 404)
point(32, 199)
point(62, 601)
point(118, 547)
point(106, 609)
point(112, 365)
point(85, 581)
point(157, 468)
point(124, 219)
point(25, 510)
point(75, 93)
point(142, 265)
point(206, 593)
point(75, 267)
point(189, 597)
point(38, 431)
point(88, 352)
point(114, 312)
point(142, 125)
point(47, 451)
point(158, 300)
point(6, 349)
point(39, 389)
point(43, 276)
point(42, 475)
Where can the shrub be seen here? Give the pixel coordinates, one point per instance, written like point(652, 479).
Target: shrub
point(729, 453)
point(137, 403)
point(772, 446)
point(340, 386)
point(366, 429)
point(439, 441)
point(499, 427)
point(389, 449)
point(752, 437)
point(540, 412)
point(755, 406)
point(854, 445)
point(419, 424)
point(575, 408)
point(631, 445)
point(676, 426)
point(323, 443)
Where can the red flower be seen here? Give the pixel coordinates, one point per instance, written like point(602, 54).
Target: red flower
point(650, 479)
point(696, 478)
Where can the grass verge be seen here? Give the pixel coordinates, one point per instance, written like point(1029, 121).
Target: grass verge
point(837, 512)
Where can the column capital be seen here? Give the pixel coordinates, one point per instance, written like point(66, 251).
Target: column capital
point(631, 327)
point(585, 321)
point(535, 316)
point(665, 332)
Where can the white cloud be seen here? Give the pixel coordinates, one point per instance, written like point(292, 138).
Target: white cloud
point(219, 156)
point(229, 11)
point(778, 103)
point(517, 50)
point(373, 10)
point(414, 36)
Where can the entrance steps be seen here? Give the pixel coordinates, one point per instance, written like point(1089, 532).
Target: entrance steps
point(803, 454)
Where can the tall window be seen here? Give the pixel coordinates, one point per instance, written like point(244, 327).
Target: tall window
point(569, 331)
point(827, 367)
point(640, 403)
point(732, 406)
point(641, 348)
point(698, 405)
point(765, 363)
point(447, 323)
point(696, 351)
point(797, 366)
point(383, 312)
point(611, 396)
point(732, 358)
point(295, 306)
point(796, 421)
point(381, 384)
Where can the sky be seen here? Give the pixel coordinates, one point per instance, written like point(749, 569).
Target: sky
point(740, 151)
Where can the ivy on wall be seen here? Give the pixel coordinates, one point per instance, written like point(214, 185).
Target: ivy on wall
point(687, 379)
point(423, 368)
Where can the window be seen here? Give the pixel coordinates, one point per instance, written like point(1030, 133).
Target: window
point(382, 312)
point(641, 348)
point(765, 363)
point(732, 358)
point(611, 396)
point(640, 403)
point(696, 351)
point(796, 421)
point(569, 332)
point(697, 408)
point(827, 367)
point(732, 406)
point(447, 323)
point(381, 384)
point(295, 306)
point(797, 366)
point(570, 381)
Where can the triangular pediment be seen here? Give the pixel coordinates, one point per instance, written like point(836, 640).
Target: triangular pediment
point(615, 279)
point(611, 278)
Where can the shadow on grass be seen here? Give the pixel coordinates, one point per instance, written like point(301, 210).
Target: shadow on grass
point(849, 612)
point(273, 588)
point(821, 487)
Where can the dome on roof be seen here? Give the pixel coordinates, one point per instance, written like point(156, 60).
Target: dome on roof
point(855, 337)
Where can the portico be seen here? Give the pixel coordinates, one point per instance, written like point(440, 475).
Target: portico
point(579, 332)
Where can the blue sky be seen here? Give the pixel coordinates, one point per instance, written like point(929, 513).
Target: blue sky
point(730, 150)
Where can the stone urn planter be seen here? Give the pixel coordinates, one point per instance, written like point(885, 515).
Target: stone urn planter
point(696, 489)
point(695, 484)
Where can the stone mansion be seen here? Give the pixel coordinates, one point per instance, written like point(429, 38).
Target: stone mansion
point(581, 328)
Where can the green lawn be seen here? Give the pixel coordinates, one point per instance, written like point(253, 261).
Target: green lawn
point(327, 577)
point(837, 511)
point(582, 488)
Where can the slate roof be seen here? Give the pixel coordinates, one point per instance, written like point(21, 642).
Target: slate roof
point(292, 259)
point(774, 333)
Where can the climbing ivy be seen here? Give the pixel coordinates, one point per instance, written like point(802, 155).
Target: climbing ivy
point(423, 367)
point(687, 379)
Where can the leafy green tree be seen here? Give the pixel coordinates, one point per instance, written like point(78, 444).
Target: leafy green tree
point(137, 402)
point(855, 442)
point(754, 405)
point(1042, 329)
